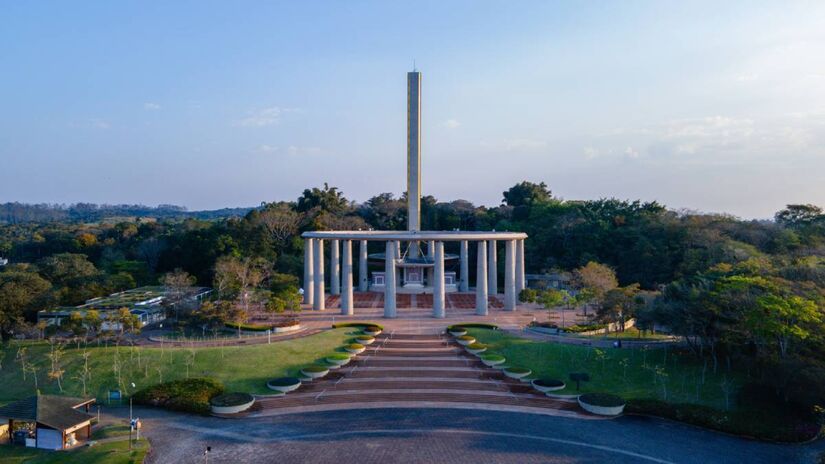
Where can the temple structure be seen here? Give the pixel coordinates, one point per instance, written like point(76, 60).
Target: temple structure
point(413, 261)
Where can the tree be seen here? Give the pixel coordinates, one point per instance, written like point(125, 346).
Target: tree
point(22, 293)
point(92, 320)
point(619, 304)
point(526, 194)
point(596, 280)
point(797, 216)
point(236, 278)
point(328, 199)
point(176, 284)
point(279, 221)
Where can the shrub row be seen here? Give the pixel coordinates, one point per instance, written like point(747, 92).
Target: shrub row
point(584, 328)
point(473, 325)
point(339, 325)
point(734, 422)
point(188, 395)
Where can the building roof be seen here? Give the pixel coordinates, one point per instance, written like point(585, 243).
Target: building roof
point(54, 411)
point(414, 236)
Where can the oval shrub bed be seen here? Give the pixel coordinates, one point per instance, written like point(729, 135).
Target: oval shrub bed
point(603, 404)
point(372, 330)
point(337, 360)
point(315, 372)
point(355, 348)
point(473, 325)
point(476, 348)
point(517, 372)
point(548, 385)
point(466, 339)
point(491, 360)
point(458, 331)
point(187, 395)
point(364, 339)
point(356, 324)
point(284, 384)
point(231, 403)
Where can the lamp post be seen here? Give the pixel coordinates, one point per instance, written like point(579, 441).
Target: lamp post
point(131, 419)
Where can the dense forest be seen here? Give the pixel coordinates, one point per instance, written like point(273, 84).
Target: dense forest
point(739, 291)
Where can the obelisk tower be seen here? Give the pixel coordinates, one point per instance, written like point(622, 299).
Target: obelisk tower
point(414, 151)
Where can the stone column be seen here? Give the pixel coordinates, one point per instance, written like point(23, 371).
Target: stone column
point(334, 268)
point(521, 283)
point(347, 302)
point(481, 279)
point(439, 302)
point(492, 268)
point(510, 275)
point(464, 270)
point(309, 275)
point(430, 271)
point(319, 302)
point(363, 272)
point(389, 280)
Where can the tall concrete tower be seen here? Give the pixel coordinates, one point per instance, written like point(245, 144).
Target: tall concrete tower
point(414, 151)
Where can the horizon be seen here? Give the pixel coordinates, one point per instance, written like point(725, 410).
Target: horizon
point(723, 114)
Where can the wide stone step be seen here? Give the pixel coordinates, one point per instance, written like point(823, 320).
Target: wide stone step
point(419, 383)
point(414, 362)
point(411, 337)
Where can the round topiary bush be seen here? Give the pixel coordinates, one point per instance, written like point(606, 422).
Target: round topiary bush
point(355, 348)
point(465, 339)
point(315, 372)
point(338, 359)
point(548, 385)
point(491, 360)
point(231, 403)
point(364, 339)
point(517, 372)
point(476, 348)
point(603, 404)
point(284, 384)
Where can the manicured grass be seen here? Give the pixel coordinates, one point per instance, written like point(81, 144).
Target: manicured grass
point(629, 373)
point(103, 453)
point(633, 333)
point(239, 368)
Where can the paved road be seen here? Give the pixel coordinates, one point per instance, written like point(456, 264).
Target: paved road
point(455, 436)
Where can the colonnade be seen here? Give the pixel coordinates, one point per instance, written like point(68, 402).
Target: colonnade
point(342, 281)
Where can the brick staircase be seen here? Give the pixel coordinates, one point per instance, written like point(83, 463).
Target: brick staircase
point(414, 370)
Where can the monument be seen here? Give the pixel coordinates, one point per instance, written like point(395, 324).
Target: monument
point(414, 261)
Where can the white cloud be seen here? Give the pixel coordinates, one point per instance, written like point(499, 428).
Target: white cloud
point(451, 124)
point(630, 152)
point(265, 116)
point(150, 106)
point(266, 149)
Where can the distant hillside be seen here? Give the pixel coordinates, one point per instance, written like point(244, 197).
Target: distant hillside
point(16, 213)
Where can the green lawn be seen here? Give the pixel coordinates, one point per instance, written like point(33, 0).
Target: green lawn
point(102, 453)
point(661, 373)
point(242, 368)
point(632, 333)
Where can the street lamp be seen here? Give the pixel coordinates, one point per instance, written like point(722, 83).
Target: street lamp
point(131, 420)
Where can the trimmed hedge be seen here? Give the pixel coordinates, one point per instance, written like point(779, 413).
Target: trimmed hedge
point(492, 357)
point(518, 370)
point(473, 325)
point(605, 400)
point(355, 346)
point(248, 327)
point(188, 395)
point(466, 337)
point(339, 325)
point(339, 356)
point(476, 346)
point(231, 399)
point(584, 328)
point(549, 383)
point(315, 369)
point(766, 426)
point(284, 381)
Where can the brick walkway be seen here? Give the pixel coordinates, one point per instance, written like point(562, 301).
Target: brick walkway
point(415, 370)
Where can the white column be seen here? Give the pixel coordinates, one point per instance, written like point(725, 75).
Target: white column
point(334, 268)
point(521, 283)
point(319, 302)
point(492, 268)
point(509, 275)
point(464, 271)
point(430, 271)
point(439, 303)
point(309, 275)
point(363, 273)
point(346, 295)
point(389, 280)
point(481, 280)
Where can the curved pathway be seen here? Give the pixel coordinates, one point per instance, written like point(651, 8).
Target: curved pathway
point(447, 435)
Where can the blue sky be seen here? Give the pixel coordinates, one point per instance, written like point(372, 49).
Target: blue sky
point(711, 106)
